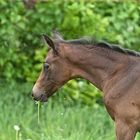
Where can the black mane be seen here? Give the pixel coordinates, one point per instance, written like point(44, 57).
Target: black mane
point(84, 41)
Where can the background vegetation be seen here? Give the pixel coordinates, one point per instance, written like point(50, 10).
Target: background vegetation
point(22, 50)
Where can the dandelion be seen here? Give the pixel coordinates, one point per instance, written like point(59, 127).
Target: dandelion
point(17, 128)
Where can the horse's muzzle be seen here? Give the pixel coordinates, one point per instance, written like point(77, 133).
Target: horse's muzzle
point(39, 95)
point(42, 97)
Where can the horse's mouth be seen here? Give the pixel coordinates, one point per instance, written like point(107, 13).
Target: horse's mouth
point(42, 98)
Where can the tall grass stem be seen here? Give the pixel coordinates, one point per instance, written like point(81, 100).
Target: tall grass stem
point(38, 111)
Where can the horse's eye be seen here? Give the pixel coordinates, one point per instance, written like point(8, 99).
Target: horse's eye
point(46, 66)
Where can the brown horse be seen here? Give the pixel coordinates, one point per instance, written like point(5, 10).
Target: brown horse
point(115, 71)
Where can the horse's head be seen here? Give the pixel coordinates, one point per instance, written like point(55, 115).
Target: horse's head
point(56, 71)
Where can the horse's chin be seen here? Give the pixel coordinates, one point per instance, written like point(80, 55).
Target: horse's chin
point(46, 95)
point(44, 98)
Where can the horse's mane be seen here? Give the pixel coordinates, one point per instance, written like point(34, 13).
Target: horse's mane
point(102, 44)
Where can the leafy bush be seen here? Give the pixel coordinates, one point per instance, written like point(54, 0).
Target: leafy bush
point(21, 46)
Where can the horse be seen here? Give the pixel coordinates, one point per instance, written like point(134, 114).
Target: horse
point(112, 69)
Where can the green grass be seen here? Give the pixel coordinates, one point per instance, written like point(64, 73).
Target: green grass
point(59, 120)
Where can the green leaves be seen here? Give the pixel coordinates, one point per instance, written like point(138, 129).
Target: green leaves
point(82, 91)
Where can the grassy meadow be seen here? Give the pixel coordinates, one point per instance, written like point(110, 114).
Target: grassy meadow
point(59, 119)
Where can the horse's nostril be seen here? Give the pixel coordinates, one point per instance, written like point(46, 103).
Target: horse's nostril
point(32, 95)
point(41, 96)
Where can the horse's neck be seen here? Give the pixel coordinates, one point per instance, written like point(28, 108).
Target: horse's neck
point(96, 65)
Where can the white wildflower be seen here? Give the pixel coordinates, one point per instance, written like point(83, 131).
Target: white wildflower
point(16, 127)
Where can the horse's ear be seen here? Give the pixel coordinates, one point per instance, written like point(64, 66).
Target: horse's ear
point(57, 35)
point(50, 42)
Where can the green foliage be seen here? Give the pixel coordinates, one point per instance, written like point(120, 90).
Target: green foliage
point(82, 91)
point(22, 49)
